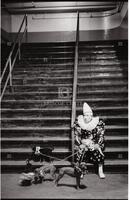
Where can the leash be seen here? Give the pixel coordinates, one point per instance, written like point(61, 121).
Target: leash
point(60, 160)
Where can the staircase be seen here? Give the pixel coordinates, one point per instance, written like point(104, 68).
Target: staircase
point(103, 84)
point(38, 110)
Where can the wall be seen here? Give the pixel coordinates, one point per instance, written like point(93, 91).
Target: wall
point(62, 26)
point(5, 25)
point(65, 22)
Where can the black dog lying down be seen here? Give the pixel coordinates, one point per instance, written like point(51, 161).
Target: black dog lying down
point(77, 171)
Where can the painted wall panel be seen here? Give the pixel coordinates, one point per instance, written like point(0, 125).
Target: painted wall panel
point(65, 22)
point(6, 24)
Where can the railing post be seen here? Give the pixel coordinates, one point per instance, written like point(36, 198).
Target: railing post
point(19, 45)
point(26, 26)
point(10, 72)
point(73, 116)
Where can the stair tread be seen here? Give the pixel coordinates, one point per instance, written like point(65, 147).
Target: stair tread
point(63, 149)
point(96, 46)
point(59, 127)
point(18, 163)
point(70, 51)
point(105, 84)
point(102, 75)
point(29, 150)
point(66, 100)
point(80, 92)
point(48, 47)
point(58, 118)
point(18, 72)
point(124, 62)
point(52, 138)
point(38, 128)
point(44, 109)
point(65, 57)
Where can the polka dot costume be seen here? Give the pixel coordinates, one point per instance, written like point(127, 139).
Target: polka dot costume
point(97, 135)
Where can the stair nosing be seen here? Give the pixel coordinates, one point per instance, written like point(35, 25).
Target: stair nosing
point(52, 138)
point(22, 163)
point(107, 127)
point(42, 109)
point(58, 118)
point(56, 150)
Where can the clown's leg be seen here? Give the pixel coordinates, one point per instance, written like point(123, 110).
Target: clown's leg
point(100, 171)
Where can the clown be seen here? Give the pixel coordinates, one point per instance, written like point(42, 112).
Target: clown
point(89, 139)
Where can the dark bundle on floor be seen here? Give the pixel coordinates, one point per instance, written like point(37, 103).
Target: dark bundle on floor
point(41, 154)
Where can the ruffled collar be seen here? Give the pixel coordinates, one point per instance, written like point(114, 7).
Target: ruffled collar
point(88, 126)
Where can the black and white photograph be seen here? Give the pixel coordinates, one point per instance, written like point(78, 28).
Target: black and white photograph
point(64, 100)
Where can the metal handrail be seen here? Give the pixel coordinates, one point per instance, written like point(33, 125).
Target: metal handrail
point(9, 62)
point(73, 115)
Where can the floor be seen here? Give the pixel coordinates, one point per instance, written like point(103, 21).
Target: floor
point(114, 186)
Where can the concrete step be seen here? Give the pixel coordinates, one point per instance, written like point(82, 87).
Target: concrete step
point(101, 62)
point(42, 80)
point(23, 142)
point(81, 79)
point(40, 122)
point(49, 60)
point(24, 153)
point(19, 166)
point(68, 52)
point(51, 121)
point(20, 153)
point(47, 46)
point(44, 72)
point(113, 166)
point(27, 65)
point(83, 56)
point(49, 54)
point(66, 102)
point(87, 45)
point(41, 71)
point(88, 75)
point(96, 51)
point(83, 60)
point(103, 59)
point(52, 74)
point(57, 55)
point(58, 112)
point(67, 93)
point(110, 130)
point(80, 87)
point(61, 66)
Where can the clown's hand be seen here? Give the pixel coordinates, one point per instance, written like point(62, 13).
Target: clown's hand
point(83, 147)
point(96, 146)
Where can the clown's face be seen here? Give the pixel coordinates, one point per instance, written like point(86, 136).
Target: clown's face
point(88, 117)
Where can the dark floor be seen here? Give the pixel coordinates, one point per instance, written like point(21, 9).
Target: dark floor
point(114, 186)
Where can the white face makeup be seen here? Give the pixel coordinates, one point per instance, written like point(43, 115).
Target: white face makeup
point(88, 117)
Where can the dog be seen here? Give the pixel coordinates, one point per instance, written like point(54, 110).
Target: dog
point(41, 172)
point(88, 143)
point(78, 171)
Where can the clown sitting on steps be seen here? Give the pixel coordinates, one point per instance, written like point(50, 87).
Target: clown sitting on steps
point(89, 139)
